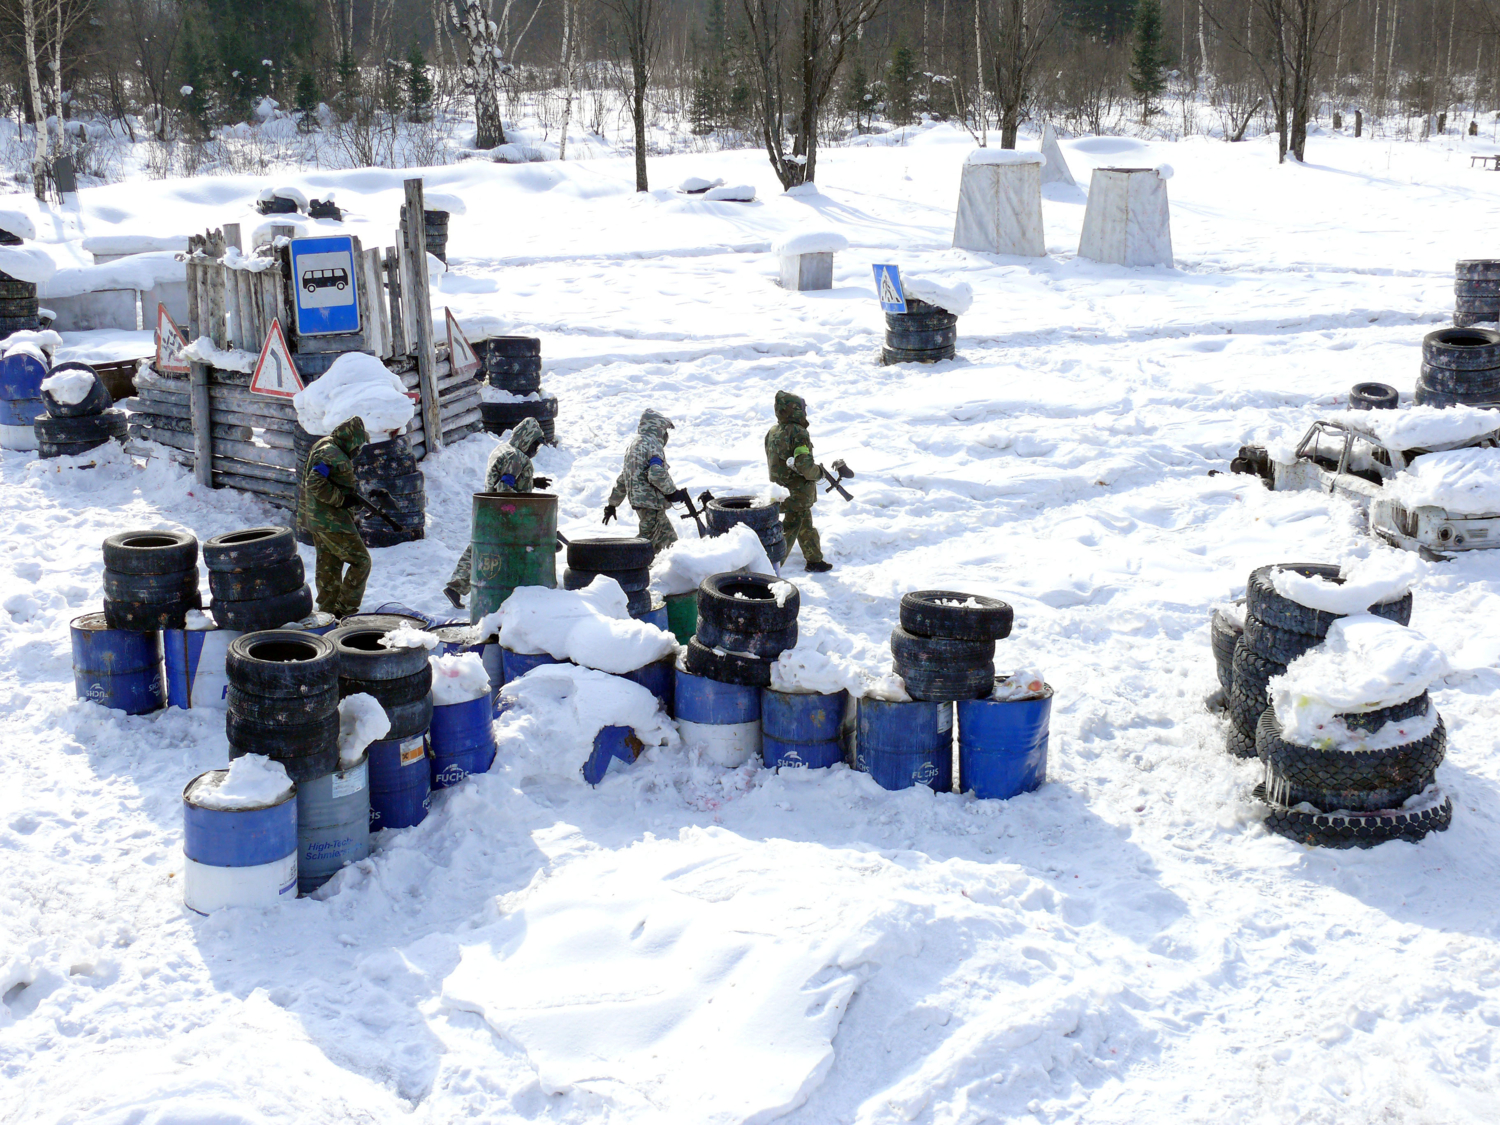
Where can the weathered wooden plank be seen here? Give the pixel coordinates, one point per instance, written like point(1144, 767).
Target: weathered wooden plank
point(287, 493)
point(461, 420)
point(233, 398)
point(183, 442)
point(395, 301)
point(256, 469)
point(421, 309)
point(256, 454)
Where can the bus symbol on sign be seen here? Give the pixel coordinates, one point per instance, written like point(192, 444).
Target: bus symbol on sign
point(313, 280)
point(327, 285)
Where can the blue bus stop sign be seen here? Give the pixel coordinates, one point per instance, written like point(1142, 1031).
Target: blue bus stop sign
point(323, 278)
point(888, 289)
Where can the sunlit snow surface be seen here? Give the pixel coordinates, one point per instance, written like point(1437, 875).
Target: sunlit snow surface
point(1126, 944)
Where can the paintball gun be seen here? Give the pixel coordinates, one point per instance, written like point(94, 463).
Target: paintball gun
point(694, 514)
point(844, 473)
point(358, 500)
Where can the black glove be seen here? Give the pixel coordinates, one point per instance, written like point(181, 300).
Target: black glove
point(609, 513)
point(380, 496)
point(678, 497)
point(541, 482)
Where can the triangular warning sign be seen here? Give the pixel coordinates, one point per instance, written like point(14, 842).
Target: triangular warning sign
point(461, 357)
point(888, 289)
point(275, 373)
point(169, 345)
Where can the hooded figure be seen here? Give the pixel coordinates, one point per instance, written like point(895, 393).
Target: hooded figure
point(790, 463)
point(328, 486)
point(509, 470)
point(647, 482)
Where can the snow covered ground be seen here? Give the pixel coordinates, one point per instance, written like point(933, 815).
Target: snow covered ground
point(686, 944)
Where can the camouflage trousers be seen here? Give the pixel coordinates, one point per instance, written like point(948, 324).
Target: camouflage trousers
point(341, 591)
point(656, 525)
point(463, 573)
point(797, 526)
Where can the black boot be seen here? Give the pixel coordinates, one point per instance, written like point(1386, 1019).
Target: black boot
point(819, 567)
point(454, 596)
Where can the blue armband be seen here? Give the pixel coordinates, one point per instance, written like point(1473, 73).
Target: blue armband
point(321, 469)
point(508, 480)
point(655, 461)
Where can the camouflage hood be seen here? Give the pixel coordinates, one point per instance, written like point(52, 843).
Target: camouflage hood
point(528, 436)
point(350, 436)
point(654, 425)
point(791, 410)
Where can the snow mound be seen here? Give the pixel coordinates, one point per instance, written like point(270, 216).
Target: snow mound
point(407, 635)
point(1003, 156)
point(1165, 171)
point(1465, 481)
point(70, 386)
point(739, 193)
point(1026, 684)
point(136, 271)
point(362, 720)
point(686, 563)
point(809, 242)
point(39, 344)
point(458, 678)
point(694, 185)
point(955, 298)
point(19, 224)
point(132, 243)
point(809, 668)
point(1422, 427)
point(443, 201)
point(252, 781)
point(296, 195)
point(591, 627)
point(356, 385)
point(1364, 664)
point(27, 263)
point(1381, 578)
point(197, 621)
point(204, 351)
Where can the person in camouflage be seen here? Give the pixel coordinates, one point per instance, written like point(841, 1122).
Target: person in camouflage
point(648, 483)
point(790, 462)
point(328, 485)
point(509, 470)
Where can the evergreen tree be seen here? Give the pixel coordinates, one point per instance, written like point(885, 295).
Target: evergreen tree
point(1148, 65)
point(348, 74)
point(418, 85)
point(308, 98)
point(856, 98)
point(707, 109)
point(900, 83)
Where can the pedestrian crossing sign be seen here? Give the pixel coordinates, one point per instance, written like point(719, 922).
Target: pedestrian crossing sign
point(888, 289)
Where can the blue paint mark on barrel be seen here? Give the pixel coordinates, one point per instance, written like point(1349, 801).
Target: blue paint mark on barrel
point(115, 668)
point(611, 744)
point(462, 737)
point(400, 782)
point(455, 638)
point(514, 665)
point(720, 721)
point(237, 857)
point(333, 824)
point(906, 744)
point(659, 678)
point(194, 663)
point(801, 729)
point(1002, 745)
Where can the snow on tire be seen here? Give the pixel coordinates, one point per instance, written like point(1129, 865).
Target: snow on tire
point(1264, 602)
point(1363, 779)
point(745, 603)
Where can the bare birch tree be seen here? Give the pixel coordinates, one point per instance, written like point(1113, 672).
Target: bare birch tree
point(483, 66)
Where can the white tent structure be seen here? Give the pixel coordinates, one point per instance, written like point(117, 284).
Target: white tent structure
point(1055, 170)
point(1127, 222)
point(1000, 203)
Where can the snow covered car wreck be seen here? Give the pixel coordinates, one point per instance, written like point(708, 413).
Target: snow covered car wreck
point(1427, 478)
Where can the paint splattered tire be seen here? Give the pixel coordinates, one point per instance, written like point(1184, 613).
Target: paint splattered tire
point(1223, 632)
point(1374, 396)
point(745, 603)
point(282, 664)
point(925, 614)
point(269, 580)
point(258, 614)
point(921, 340)
point(1279, 645)
point(1448, 382)
point(1349, 779)
point(286, 712)
point(143, 603)
point(1478, 270)
point(630, 580)
point(1425, 395)
point(1238, 743)
point(95, 402)
point(252, 547)
point(286, 742)
point(1462, 349)
point(1262, 600)
point(889, 356)
point(943, 669)
point(46, 450)
point(363, 657)
point(610, 555)
point(1357, 830)
point(1373, 721)
point(150, 552)
point(726, 667)
point(395, 693)
point(767, 646)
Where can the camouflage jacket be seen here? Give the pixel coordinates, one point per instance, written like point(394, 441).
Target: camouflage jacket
point(789, 459)
point(328, 478)
point(509, 468)
point(645, 478)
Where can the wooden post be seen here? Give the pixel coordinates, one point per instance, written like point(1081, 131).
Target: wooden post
point(203, 440)
point(232, 236)
point(420, 303)
point(393, 289)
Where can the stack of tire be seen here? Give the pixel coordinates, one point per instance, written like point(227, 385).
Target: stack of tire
point(1476, 292)
point(1460, 366)
point(400, 679)
point(764, 519)
point(150, 580)
point(387, 465)
point(18, 299)
point(257, 579)
point(1276, 631)
point(924, 333)
point(1224, 632)
point(944, 648)
point(745, 621)
point(436, 224)
point(70, 428)
point(283, 700)
point(514, 364)
point(627, 561)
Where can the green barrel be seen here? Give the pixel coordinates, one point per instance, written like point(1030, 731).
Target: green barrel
point(515, 544)
point(682, 615)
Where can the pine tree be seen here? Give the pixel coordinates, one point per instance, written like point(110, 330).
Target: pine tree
point(857, 99)
point(707, 109)
point(900, 80)
point(418, 85)
point(308, 98)
point(1148, 65)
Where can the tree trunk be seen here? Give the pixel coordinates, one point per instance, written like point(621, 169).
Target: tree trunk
point(638, 112)
point(38, 108)
point(567, 69)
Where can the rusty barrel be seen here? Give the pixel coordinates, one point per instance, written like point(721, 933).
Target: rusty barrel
point(515, 544)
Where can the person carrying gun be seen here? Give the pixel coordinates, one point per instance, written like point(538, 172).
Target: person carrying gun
point(509, 470)
point(329, 491)
point(648, 483)
point(789, 461)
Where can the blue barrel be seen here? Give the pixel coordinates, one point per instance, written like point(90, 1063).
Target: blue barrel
point(657, 614)
point(115, 668)
point(237, 857)
point(720, 721)
point(906, 744)
point(462, 737)
point(317, 622)
point(21, 378)
point(1002, 745)
point(801, 729)
point(400, 609)
point(194, 663)
point(400, 782)
point(333, 824)
point(514, 665)
point(611, 744)
point(455, 638)
point(659, 678)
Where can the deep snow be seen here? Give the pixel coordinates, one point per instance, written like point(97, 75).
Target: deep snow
point(1127, 943)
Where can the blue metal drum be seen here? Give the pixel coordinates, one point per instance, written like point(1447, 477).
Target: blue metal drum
point(1002, 745)
point(115, 668)
point(906, 744)
point(611, 744)
point(801, 729)
point(237, 857)
point(514, 665)
point(455, 638)
point(400, 782)
point(317, 622)
point(659, 678)
point(462, 737)
point(657, 614)
point(333, 824)
point(21, 404)
point(721, 721)
point(194, 662)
